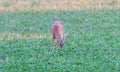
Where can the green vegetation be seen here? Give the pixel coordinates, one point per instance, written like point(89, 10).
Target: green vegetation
point(93, 43)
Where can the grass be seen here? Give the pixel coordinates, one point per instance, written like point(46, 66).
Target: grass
point(59, 5)
point(93, 43)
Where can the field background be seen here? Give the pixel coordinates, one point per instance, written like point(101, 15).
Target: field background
point(59, 5)
point(92, 28)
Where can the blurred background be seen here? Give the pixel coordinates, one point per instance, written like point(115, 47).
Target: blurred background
point(59, 5)
point(92, 28)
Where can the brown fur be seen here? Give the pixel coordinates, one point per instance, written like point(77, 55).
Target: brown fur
point(57, 33)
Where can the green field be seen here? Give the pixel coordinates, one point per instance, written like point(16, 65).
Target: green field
point(93, 43)
point(93, 38)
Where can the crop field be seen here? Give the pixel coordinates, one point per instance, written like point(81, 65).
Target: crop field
point(92, 29)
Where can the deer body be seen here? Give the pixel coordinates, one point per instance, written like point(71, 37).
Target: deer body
point(57, 33)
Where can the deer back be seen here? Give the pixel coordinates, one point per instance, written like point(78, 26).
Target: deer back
point(57, 30)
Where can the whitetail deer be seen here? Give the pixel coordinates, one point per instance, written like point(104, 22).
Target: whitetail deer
point(57, 33)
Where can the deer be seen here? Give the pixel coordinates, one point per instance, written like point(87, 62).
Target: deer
point(57, 30)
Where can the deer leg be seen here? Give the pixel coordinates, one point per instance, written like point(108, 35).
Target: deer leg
point(53, 40)
point(58, 44)
point(53, 43)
